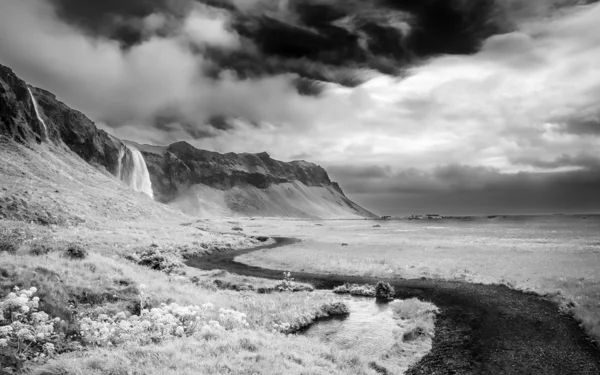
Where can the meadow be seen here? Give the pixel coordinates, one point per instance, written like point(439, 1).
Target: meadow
point(106, 313)
point(558, 256)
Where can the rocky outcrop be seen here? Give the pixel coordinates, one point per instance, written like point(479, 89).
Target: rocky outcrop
point(64, 125)
point(180, 174)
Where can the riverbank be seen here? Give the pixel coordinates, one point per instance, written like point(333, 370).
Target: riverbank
point(480, 329)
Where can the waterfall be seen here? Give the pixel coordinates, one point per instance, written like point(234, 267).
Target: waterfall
point(133, 171)
point(37, 112)
point(120, 164)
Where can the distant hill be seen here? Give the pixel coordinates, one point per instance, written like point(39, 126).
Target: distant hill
point(197, 182)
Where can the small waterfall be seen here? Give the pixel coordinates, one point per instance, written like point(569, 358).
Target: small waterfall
point(37, 112)
point(120, 165)
point(133, 171)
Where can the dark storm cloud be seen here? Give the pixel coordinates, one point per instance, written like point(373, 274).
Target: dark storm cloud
point(581, 160)
point(311, 38)
point(128, 22)
point(456, 189)
point(468, 179)
point(589, 125)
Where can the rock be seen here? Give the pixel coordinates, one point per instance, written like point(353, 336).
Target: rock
point(384, 291)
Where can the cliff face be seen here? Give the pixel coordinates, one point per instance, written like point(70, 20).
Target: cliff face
point(181, 165)
point(63, 125)
point(206, 183)
point(181, 175)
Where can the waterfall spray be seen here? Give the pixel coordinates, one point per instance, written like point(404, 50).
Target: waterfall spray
point(133, 170)
point(37, 112)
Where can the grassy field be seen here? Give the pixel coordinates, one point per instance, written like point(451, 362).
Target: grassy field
point(557, 255)
point(104, 282)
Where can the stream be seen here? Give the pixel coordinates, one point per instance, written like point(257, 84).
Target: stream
point(480, 330)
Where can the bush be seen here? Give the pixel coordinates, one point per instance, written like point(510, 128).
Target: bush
point(160, 324)
point(158, 260)
point(10, 241)
point(76, 250)
point(8, 246)
point(289, 285)
point(356, 290)
point(26, 333)
point(384, 291)
point(39, 248)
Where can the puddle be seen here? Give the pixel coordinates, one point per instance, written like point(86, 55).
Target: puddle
point(368, 329)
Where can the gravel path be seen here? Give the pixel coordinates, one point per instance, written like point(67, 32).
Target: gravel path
point(482, 329)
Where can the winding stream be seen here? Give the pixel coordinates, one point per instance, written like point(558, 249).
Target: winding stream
point(481, 329)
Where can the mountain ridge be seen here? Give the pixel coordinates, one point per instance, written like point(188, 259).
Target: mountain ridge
point(246, 184)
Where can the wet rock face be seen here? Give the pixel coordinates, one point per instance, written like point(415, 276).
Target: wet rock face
point(19, 122)
point(180, 165)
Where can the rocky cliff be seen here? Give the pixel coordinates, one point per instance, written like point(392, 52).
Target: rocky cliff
point(201, 182)
point(198, 182)
point(58, 123)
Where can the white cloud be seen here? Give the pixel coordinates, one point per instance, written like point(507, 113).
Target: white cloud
point(205, 26)
point(489, 109)
point(129, 87)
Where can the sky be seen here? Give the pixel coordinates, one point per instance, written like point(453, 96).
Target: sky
point(414, 106)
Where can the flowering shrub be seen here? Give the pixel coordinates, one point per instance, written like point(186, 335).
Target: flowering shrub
point(289, 285)
point(25, 332)
point(355, 290)
point(160, 323)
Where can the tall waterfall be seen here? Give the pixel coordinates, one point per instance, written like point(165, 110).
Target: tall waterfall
point(133, 171)
point(120, 165)
point(37, 112)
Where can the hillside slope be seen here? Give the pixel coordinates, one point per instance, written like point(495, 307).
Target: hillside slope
point(197, 182)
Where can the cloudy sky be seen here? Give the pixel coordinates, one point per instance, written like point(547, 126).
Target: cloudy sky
point(414, 106)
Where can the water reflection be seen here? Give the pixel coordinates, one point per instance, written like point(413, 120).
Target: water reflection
point(368, 329)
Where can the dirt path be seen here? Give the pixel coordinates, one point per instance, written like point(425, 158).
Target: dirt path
point(482, 329)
